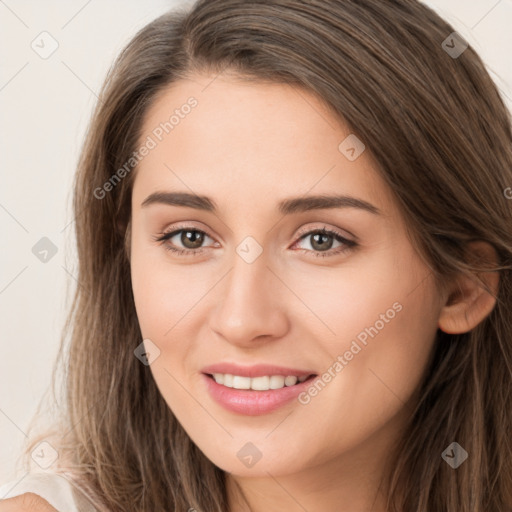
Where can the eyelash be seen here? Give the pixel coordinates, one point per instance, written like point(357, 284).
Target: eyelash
point(349, 244)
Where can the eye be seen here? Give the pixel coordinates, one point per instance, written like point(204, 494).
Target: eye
point(321, 242)
point(190, 238)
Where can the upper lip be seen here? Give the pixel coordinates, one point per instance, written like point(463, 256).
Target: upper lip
point(257, 370)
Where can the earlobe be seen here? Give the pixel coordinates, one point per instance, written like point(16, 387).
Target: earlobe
point(471, 298)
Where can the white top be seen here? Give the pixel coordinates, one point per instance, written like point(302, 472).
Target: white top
point(54, 488)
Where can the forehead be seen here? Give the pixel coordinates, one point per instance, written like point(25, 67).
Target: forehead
point(251, 140)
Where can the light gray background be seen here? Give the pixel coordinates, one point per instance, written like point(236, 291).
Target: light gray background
point(45, 106)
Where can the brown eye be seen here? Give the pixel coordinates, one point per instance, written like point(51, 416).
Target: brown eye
point(184, 241)
point(321, 242)
point(192, 239)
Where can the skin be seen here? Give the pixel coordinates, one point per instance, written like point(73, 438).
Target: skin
point(27, 502)
point(248, 146)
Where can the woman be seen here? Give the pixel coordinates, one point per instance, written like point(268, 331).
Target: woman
point(295, 246)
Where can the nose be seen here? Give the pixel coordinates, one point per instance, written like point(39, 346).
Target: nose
point(250, 309)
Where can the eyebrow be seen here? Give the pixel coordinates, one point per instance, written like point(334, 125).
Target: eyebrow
point(285, 207)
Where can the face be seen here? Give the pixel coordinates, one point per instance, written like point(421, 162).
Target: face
point(291, 332)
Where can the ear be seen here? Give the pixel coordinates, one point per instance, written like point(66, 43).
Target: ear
point(471, 299)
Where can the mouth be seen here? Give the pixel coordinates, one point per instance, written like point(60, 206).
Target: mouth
point(262, 383)
point(255, 390)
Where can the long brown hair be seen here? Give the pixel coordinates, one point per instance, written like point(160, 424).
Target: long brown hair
point(438, 128)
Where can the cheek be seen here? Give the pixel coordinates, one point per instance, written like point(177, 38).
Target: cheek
point(385, 329)
point(164, 298)
point(386, 296)
point(163, 293)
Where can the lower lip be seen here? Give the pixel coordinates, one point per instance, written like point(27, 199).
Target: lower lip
point(251, 402)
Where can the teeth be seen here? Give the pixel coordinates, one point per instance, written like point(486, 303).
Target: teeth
point(257, 383)
point(241, 382)
point(277, 382)
point(290, 381)
point(260, 383)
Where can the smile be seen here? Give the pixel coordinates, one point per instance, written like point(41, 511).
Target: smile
point(254, 390)
point(263, 383)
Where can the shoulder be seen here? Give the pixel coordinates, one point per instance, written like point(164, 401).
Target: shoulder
point(53, 487)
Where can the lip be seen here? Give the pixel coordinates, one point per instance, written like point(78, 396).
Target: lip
point(257, 370)
point(251, 402)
